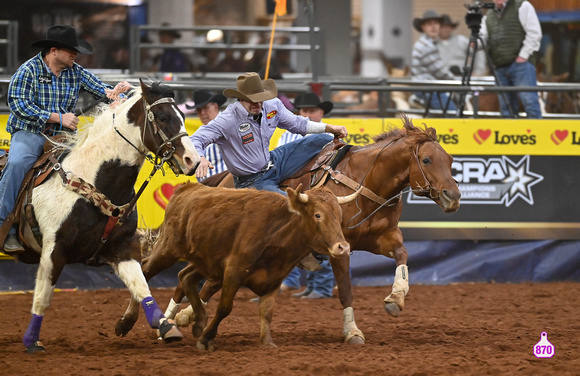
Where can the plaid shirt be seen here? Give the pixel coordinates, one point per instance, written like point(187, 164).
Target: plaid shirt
point(35, 92)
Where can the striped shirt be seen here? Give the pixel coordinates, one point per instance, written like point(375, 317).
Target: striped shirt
point(426, 62)
point(35, 92)
point(214, 155)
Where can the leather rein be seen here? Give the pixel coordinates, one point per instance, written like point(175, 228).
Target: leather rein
point(118, 214)
point(339, 178)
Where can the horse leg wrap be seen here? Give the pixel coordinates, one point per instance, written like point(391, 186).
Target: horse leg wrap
point(400, 287)
point(349, 328)
point(152, 312)
point(172, 309)
point(33, 331)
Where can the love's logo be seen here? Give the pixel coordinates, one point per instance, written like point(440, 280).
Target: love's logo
point(481, 135)
point(163, 194)
point(558, 136)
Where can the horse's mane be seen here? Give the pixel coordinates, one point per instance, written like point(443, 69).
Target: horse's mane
point(412, 134)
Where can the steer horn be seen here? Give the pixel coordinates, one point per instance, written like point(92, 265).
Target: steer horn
point(346, 199)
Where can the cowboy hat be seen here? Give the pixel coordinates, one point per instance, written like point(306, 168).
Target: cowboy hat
point(174, 33)
point(64, 36)
point(202, 97)
point(428, 15)
point(312, 100)
point(252, 88)
point(446, 20)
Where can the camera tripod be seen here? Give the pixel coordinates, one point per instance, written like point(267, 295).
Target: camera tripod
point(473, 20)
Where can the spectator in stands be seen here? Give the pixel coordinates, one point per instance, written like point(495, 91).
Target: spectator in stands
point(172, 59)
point(426, 62)
point(453, 49)
point(513, 34)
point(319, 283)
point(207, 105)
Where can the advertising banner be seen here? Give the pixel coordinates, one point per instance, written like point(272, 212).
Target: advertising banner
point(517, 178)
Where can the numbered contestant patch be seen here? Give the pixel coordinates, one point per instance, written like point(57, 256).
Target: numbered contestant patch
point(247, 138)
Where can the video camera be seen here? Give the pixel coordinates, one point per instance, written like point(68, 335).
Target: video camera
point(474, 15)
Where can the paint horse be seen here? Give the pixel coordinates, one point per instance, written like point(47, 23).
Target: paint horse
point(400, 160)
point(78, 207)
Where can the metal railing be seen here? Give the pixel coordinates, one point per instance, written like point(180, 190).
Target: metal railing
point(136, 45)
point(10, 46)
point(328, 86)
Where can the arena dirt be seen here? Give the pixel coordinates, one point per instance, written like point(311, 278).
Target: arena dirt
point(463, 329)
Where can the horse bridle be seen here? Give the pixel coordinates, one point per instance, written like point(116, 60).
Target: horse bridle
point(166, 148)
point(428, 189)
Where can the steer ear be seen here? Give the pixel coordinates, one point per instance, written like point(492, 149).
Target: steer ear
point(296, 200)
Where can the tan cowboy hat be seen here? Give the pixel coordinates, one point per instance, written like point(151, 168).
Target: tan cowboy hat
point(252, 88)
point(429, 14)
point(64, 36)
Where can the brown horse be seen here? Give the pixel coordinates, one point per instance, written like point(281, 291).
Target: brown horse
point(401, 158)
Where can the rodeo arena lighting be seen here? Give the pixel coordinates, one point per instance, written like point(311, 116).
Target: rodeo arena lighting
point(345, 187)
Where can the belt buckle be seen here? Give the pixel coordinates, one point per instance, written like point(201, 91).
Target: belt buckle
point(268, 166)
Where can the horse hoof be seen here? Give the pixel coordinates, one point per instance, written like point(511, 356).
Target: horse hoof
point(392, 309)
point(35, 347)
point(123, 327)
point(209, 346)
point(170, 332)
point(356, 340)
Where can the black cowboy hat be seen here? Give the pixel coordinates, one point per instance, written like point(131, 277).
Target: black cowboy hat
point(429, 14)
point(446, 20)
point(64, 36)
point(312, 100)
point(175, 34)
point(202, 97)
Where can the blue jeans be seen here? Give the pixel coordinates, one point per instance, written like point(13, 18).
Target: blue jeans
point(25, 148)
point(435, 103)
point(320, 282)
point(519, 74)
point(288, 159)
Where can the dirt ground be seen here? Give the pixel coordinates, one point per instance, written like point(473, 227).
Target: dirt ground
point(463, 329)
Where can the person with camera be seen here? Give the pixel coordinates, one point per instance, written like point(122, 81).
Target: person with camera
point(426, 62)
point(513, 34)
point(453, 48)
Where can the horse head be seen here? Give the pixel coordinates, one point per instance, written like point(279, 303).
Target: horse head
point(163, 128)
point(430, 167)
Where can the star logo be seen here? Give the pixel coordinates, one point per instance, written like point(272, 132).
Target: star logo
point(521, 179)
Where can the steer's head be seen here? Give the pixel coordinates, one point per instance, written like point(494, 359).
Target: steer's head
point(321, 218)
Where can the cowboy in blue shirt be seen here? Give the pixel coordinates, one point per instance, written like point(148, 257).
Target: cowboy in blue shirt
point(42, 96)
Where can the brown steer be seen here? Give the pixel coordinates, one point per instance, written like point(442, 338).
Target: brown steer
point(235, 237)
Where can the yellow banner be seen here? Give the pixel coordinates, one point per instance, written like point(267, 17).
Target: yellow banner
point(457, 136)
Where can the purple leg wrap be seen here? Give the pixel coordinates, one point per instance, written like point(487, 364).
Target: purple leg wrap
point(152, 311)
point(33, 331)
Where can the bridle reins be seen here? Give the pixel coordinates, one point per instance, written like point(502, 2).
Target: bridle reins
point(425, 190)
point(118, 214)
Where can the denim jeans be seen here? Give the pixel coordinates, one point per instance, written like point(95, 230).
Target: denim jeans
point(435, 103)
point(519, 74)
point(320, 282)
point(288, 159)
point(25, 148)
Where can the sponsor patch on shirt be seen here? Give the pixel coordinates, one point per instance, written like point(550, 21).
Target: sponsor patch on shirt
point(244, 127)
point(271, 114)
point(44, 80)
point(247, 138)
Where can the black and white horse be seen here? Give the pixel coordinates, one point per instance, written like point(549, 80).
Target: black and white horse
point(80, 208)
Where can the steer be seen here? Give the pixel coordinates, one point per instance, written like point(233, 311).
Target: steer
point(235, 237)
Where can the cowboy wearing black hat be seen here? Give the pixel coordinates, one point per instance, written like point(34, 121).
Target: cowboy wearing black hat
point(309, 106)
point(453, 49)
point(42, 96)
point(207, 105)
